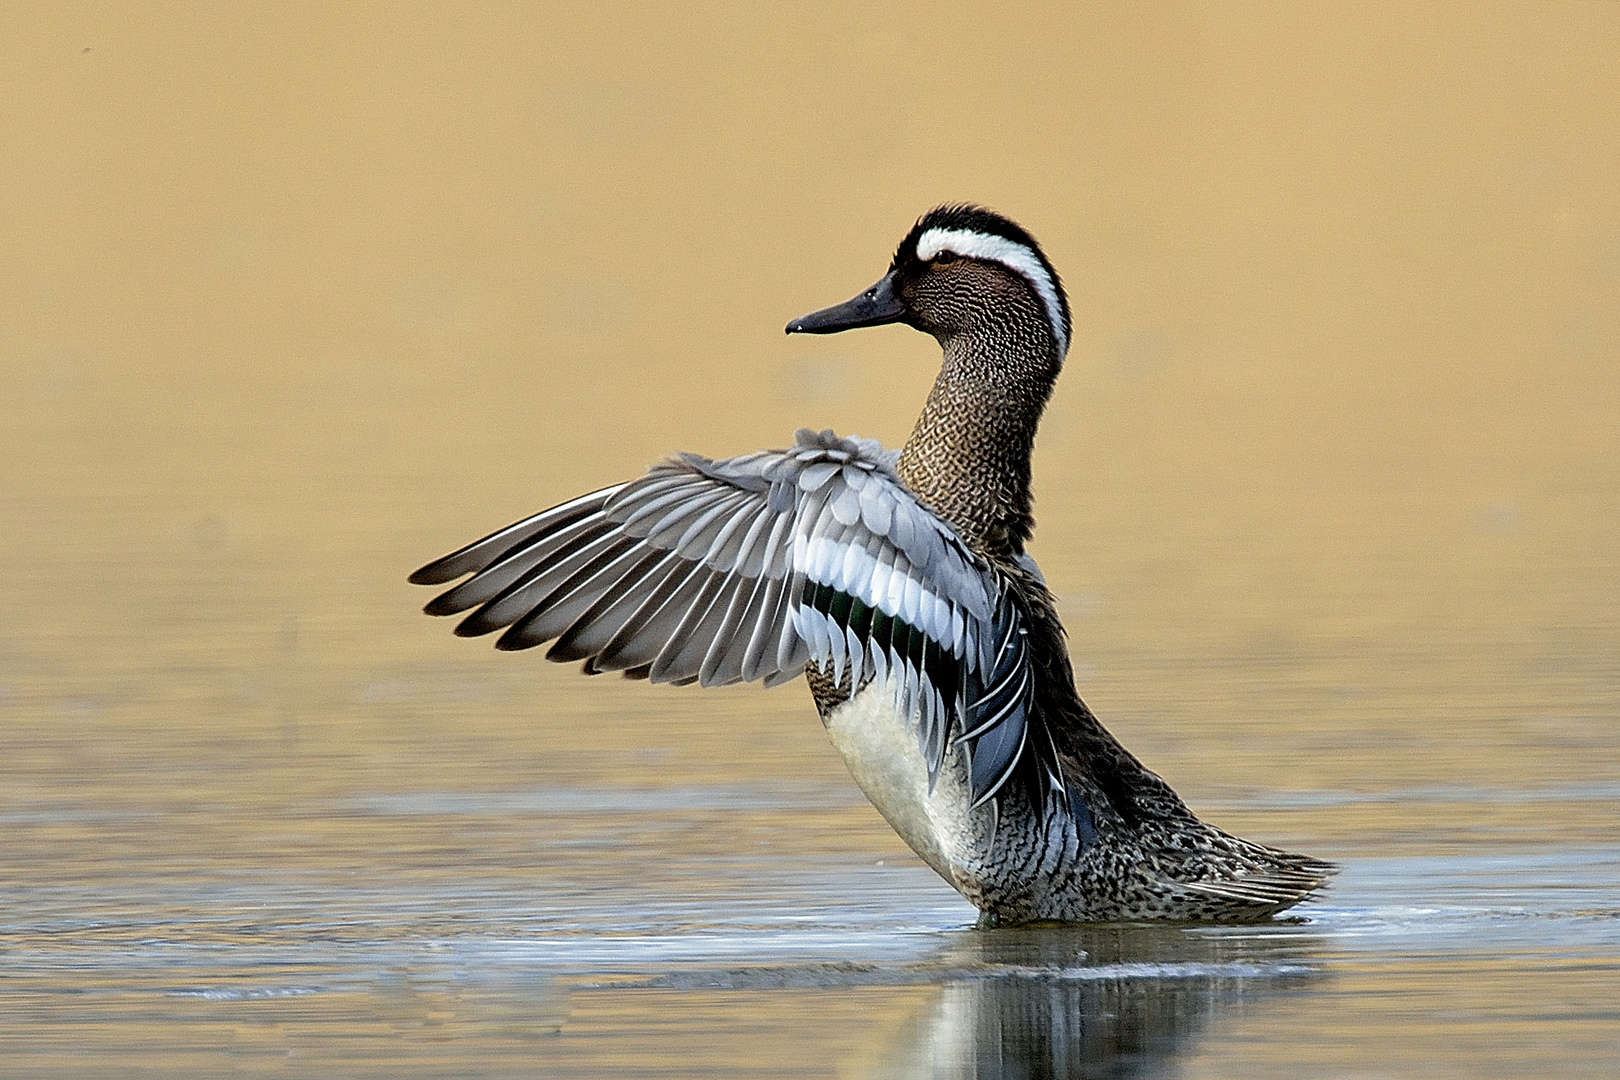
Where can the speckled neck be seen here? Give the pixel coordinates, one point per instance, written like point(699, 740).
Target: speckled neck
point(969, 454)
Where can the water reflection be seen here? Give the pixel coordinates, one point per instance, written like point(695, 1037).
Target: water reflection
point(1111, 1001)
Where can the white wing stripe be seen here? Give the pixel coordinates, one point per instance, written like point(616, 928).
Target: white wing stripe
point(896, 594)
point(909, 598)
point(858, 566)
point(880, 663)
point(942, 620)
point(857, 657)
point(878, 585)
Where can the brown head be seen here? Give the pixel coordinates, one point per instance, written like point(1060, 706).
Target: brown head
point(962, 271)
point(980, 284)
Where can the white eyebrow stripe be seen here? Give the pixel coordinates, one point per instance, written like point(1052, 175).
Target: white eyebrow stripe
point(1014, 256)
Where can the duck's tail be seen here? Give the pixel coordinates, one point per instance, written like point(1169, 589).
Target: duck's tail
point(1240, 881)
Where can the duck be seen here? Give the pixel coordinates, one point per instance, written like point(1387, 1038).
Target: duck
point(898, 584)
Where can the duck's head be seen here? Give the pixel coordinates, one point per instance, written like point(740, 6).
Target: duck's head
point(962, 272)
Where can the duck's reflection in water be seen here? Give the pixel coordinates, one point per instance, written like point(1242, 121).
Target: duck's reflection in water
point(1106, 1001)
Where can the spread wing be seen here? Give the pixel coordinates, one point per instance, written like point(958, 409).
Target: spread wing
point(748, 568)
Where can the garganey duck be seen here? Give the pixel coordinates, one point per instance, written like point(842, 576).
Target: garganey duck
point(898, 584)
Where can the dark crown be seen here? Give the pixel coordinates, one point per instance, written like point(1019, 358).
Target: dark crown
point(971, 218)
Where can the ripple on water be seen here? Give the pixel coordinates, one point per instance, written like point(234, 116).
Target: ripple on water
point(588, 954)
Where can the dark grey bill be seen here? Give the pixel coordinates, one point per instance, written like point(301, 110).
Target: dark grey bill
point(874, 307)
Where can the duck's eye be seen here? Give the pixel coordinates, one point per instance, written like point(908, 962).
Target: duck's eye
point(945, 255)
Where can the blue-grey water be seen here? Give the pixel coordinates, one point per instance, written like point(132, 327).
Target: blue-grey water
point(738, 930)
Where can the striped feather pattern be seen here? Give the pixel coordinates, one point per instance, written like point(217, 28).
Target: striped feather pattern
point(748, 568)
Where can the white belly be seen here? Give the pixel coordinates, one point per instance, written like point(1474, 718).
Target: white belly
point(883, 757)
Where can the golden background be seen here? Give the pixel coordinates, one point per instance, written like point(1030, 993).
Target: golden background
point(296, 297)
